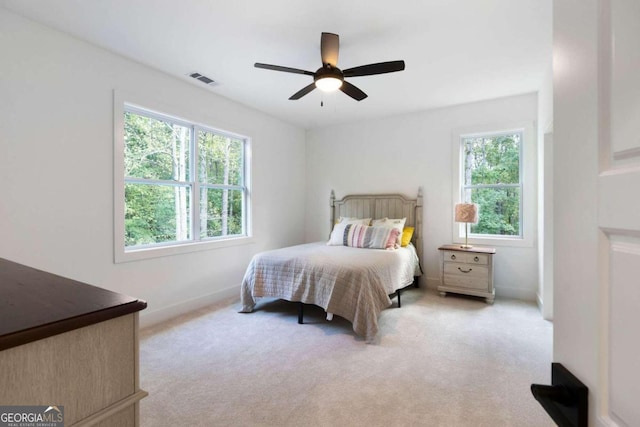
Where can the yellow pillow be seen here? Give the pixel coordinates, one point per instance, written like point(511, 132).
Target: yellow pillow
point(407, 234)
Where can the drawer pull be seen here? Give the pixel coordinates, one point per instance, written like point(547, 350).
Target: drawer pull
point(476, 259)
point(453, 257)
point(465, 271)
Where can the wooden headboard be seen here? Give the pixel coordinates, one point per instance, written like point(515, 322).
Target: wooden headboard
point(378, 206)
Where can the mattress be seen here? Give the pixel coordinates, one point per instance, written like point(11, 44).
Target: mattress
point(353, 283)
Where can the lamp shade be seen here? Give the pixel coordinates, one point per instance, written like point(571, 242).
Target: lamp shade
point(467, 212)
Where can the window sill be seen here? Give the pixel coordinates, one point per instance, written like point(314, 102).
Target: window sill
point(516, 242)
point(177, 249)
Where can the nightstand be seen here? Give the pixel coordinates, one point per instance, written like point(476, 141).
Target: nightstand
point(467, 271)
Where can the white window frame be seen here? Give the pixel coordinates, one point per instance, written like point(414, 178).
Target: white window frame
point(527, 183)
point(152, 108)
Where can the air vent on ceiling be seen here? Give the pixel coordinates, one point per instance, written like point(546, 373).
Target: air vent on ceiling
point(203, 79)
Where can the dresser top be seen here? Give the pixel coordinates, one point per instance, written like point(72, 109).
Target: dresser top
point(475, 249)
point(35, 304)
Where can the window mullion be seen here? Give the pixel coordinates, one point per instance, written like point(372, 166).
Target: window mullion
point(244, 188)
point(470, 187)
point(222, 187)
point(194, 172)
point(156, 182)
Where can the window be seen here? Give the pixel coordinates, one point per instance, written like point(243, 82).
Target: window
point(181, 184)
point(494, 167)
point(491, 179)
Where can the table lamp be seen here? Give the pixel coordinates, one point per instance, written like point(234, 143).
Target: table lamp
point(467, 213)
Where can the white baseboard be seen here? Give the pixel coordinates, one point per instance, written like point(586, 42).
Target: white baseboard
point(149, 318)
point(539, 302)
point(501, 292)
point(516, 293)
point(543, 312)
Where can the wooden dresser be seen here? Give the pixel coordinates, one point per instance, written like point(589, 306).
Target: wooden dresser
point(66, 343)
point(467, 271)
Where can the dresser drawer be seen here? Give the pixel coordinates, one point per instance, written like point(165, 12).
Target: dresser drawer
point(466, 276)
point(469, 258)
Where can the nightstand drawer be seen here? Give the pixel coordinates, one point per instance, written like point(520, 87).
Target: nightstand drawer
point(470, 258)
point(469, 276)
point(478, 259)
point(452, 256)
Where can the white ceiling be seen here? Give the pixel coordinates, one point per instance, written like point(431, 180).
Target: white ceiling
point(456, 51)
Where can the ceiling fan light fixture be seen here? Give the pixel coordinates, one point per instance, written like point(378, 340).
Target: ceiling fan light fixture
point(328, 83)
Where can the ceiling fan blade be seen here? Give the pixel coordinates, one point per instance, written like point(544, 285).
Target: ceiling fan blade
point(302, 92)
point(371, 69)
point(280, 68)
point(352, 91)
point(329, 48)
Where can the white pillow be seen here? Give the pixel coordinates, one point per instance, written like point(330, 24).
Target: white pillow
point(351, 220)
point(397, 223)
point(337, 234)
point(378, 222)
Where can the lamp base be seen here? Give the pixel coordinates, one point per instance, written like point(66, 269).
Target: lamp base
point(466, 238)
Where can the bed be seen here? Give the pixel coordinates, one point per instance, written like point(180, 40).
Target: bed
point(351, 282)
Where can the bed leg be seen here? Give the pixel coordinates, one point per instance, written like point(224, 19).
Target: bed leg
point(399, 291)
point(300, 313)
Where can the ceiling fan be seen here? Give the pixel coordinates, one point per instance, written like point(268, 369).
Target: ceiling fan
point(329, 77)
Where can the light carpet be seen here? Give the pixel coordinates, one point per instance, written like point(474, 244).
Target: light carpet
point(452, 361)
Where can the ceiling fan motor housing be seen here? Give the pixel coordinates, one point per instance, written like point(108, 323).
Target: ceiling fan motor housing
point(328, 71)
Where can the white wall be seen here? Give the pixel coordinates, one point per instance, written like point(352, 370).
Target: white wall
point(545, 196)
point(399, 154)
point(56, 169)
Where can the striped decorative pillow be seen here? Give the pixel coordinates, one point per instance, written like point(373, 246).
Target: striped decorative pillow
point(363, 236)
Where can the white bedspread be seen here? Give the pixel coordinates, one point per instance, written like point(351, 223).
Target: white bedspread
point(350, 282)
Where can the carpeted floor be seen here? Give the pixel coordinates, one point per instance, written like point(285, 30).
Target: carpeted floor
point(452, 361)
